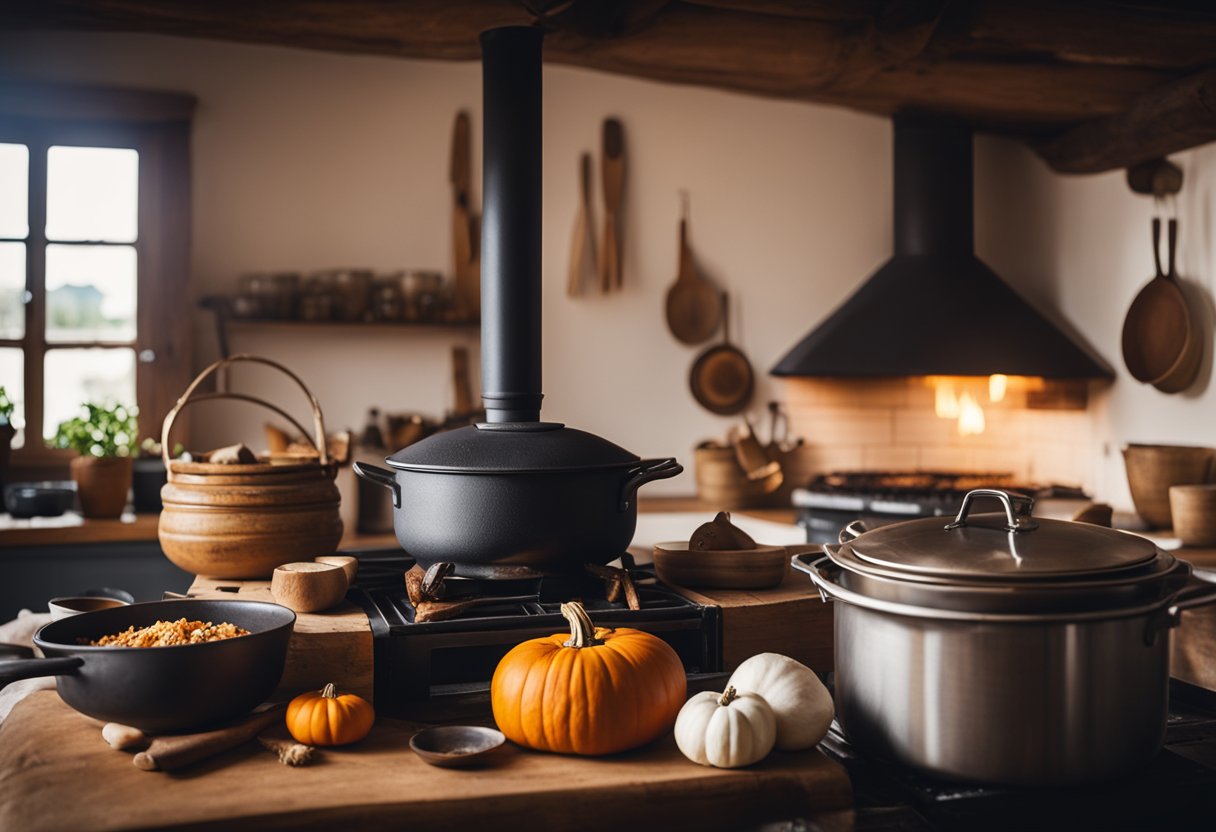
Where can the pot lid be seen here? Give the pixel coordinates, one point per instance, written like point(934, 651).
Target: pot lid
point(1009, 546)
point(511, 447)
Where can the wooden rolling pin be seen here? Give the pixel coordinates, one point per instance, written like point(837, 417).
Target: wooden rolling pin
point(169, 753)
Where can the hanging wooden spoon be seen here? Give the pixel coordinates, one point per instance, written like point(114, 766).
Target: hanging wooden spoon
point(612, 169)
point(582, 247)
point(694, 308)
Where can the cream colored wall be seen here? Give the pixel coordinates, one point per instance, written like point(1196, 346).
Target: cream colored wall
point(308, 160)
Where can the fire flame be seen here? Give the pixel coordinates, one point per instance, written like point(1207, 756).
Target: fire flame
point(952, 398)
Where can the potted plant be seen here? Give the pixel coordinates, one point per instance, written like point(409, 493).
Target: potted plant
point(7, 431)
point(104, 438)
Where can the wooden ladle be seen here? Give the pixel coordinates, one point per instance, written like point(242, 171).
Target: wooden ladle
point(1159, 346)
point(694, 309)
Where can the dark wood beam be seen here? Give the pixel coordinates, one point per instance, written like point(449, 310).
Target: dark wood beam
point(1048, 67)
point(1170, 119)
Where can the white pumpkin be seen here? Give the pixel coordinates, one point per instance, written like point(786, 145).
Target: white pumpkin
point(726, 731)
point(798, 699)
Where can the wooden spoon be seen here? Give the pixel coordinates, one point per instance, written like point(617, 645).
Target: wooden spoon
point(612, 170)
point(582, 247)
point(694, 309)
point(464, 258)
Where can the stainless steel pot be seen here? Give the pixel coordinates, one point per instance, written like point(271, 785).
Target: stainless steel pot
point(1003, 649)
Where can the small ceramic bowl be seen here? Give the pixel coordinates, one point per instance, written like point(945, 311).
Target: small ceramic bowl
point(74, 605)
point(456, 746)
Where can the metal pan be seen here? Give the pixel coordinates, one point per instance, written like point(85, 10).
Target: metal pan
point(163, 689)
point(722, 379)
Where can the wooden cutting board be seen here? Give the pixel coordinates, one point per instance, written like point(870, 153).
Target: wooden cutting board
point(56, 773)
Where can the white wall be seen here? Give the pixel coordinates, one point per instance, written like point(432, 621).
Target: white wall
point(308, 160)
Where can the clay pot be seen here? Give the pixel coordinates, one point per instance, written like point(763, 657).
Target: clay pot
point(243, 520)
point(102, 483)
point(256, 517)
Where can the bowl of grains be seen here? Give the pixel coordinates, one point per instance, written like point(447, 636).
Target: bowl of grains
point(165, 666)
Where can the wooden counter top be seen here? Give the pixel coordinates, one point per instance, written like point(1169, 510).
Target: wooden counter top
point(57, 773)
point(71, 528)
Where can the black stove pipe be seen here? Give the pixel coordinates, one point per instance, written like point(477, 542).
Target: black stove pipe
point(511, 224)
point(933, 188)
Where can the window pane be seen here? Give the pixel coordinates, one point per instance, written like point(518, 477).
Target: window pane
point(14, 190)
point(12, 290)
point(91, 194)
point(76, 376)
point(90, 293)
point(12, 375)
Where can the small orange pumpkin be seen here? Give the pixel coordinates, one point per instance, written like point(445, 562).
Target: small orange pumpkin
point(327, 718)
point(597, 692)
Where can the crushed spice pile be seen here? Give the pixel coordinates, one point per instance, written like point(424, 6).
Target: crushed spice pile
point(171, 634)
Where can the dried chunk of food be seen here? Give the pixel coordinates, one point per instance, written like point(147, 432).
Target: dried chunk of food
point(171, 634)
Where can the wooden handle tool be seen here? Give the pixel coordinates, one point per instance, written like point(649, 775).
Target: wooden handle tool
point(169, 753)
point(582, 246)
point(612, 169)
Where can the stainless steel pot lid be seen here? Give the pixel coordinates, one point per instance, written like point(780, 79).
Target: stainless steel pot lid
point(1010, 546)
point(512, 447)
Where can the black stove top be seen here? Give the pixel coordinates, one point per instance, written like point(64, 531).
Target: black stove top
point(1176, 791)
point(418, 660)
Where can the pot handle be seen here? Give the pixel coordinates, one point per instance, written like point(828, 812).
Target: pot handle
point(188, 398)
point(16, 669)
point(381, 477)
point(649, 469)
point(1017, 509)
point(1197, 593)
point(852, 531)
point(803, 563)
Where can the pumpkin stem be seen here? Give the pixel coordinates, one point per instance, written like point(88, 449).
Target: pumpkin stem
point(329, 692)
point(582, 631)
point(727, 696)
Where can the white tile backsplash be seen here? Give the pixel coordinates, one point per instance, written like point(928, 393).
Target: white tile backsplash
point(889, 424)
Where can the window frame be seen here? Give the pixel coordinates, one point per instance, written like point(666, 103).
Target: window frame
point(157, 126)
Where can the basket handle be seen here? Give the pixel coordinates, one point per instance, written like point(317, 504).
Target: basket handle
point(188, 398)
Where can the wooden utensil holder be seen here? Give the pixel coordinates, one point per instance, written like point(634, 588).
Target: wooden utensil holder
point(723, 482)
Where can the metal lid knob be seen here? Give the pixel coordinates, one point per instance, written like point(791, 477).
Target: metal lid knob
point(1017, 509)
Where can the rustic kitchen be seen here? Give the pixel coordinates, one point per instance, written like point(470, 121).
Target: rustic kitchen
point(556, 414)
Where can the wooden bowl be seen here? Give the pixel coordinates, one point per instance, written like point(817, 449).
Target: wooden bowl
point(763, 567)
point(1153, 469)
point(457, 746)
point(309, 586)
point(1194, 511)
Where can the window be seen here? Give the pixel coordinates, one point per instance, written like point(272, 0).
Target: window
point(94, 197)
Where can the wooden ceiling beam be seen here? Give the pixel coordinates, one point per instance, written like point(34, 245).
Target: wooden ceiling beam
point(1169, 119)
point(1151, 34)
point(879, 56)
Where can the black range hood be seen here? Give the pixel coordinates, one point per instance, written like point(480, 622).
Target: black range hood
point(935, 308)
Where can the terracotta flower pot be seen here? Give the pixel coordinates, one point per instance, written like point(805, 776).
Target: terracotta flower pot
point(102, 484)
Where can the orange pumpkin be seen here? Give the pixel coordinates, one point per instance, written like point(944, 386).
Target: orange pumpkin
point(327, 718)
point(598, 691)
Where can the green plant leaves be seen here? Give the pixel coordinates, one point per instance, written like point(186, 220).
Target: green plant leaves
point(100, 431)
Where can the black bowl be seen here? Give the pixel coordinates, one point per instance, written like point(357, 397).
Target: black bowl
point(39, 499)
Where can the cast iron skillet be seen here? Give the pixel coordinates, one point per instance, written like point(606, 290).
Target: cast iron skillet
point(163, 689)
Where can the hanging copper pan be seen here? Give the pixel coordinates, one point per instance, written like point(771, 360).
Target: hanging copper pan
point(721, 378)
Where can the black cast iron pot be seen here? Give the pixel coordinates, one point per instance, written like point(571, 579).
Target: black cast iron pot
point(163, 689)
point(495, 497)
